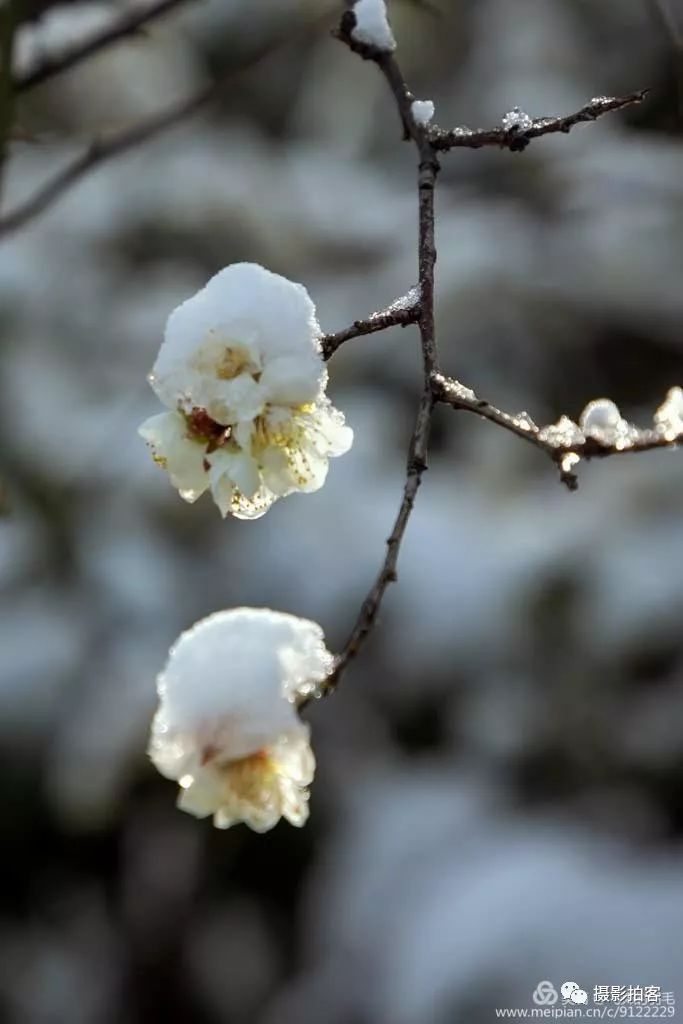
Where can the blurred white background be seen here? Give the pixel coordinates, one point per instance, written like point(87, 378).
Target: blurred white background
point(499, 795)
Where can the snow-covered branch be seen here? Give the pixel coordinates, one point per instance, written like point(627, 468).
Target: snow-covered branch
point(517, 129)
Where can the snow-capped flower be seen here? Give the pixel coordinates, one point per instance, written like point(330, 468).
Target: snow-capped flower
point(372, 26)
point(242, 373)
point(423, 111)
point(227, 728)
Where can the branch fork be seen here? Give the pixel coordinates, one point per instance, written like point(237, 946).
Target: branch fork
point(514, 134)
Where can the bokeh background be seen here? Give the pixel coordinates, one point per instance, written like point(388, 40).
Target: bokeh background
point(499, 797)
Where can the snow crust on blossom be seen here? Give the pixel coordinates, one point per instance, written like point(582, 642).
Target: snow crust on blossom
point(423, 111)
point(372, 25)
point(227, 728)
point(246, 334)
point(242, 374)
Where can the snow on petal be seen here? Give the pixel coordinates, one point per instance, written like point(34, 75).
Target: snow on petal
point(242, 318)
point(372, 26)
point(227, 728)
point(291, 380)
point(229, 401)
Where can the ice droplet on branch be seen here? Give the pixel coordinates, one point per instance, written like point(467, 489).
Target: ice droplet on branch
point(516, 120)
point(669, 416)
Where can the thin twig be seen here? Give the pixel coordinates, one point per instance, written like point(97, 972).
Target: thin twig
point(117, 143)
point(396, 315)
point(518, 137)
point(127, 24)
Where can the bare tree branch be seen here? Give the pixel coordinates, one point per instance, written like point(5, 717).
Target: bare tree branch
point(401, 313)
point(563, 442)
point(517, 135)
point(428, 169)
point(127, 24)
point(417, 464)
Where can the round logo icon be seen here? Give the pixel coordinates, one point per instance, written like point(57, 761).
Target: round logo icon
point(545, 994)
point(571, 991)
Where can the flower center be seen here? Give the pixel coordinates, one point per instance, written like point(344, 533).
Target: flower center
point(224, 359)
point(284, 429)
point(233, 361)
point(250, 778)
point(200, 427)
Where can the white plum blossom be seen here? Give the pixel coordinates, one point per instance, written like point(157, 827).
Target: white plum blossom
point(241, 373)
point(423, 111)
point(372, 26)
point(227, 727)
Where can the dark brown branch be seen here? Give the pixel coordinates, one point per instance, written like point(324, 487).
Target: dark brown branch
point(428, 169)
point(396, 315)
point(517, 138)
point(515, 134)
point(417, 464)
point(566, 456)
point(127, 25)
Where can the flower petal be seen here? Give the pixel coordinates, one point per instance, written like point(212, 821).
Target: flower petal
point(182, 457)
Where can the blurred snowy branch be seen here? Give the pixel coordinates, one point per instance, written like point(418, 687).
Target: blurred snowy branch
point(127, 24)
point(119, 142)
point(8, 25)
point(103, 149)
